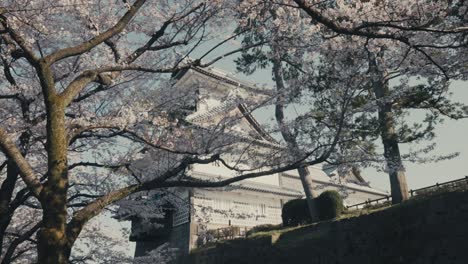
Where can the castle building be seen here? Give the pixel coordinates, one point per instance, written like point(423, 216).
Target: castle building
point(247, 203)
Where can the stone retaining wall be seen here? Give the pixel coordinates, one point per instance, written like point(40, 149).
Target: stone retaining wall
point(429, 231)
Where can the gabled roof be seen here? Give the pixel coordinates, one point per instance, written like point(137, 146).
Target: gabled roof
point(230, 104)
point(253, 122)
point(222, 76)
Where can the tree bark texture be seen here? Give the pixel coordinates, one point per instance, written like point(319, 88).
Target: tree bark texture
point(53, 246)
point(396, 170)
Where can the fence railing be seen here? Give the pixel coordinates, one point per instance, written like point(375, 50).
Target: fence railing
point(369, 202)
point(421, 191)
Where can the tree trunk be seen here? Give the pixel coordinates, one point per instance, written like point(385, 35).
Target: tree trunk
point(304, 174)
point(52, 239)
point(396, 170)
point(310, 194)
point(53, 246)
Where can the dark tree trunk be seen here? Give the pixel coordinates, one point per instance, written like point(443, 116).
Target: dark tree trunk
point(7, 188)
point(6, 192)
point(396, 170)
point(308, 185)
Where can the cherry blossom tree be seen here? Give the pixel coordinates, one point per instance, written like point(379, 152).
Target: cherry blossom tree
point(60, 71)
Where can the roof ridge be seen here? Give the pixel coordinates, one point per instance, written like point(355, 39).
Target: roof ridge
point(230, 81)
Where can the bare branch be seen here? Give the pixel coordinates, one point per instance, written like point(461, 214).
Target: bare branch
point(83, 195)
point(96, 165)
point(231, 53)
point(11, 249)
point(87, 46)
point(114, 49)
point(28, 53)
point(81, 217)
point(26, 172)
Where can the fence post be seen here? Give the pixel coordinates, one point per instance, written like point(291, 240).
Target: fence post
point(411, 191)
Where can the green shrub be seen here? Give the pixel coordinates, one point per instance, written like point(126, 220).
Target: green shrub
point(262, 228)
point(329, 205)
point(295, 212)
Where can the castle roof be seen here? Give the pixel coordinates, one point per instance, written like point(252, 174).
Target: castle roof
point(226, 78)
point(232, 103)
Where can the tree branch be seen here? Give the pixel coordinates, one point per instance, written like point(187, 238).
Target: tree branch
point(87, 46)
point(11, 249)
point(80, 218)
point(97, 165)
point(28, 53)
point(77, 85)
point(26, 172)
point(317, 16)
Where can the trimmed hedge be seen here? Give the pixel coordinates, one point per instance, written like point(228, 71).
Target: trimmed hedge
point(295, 212)
point(329, 205)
